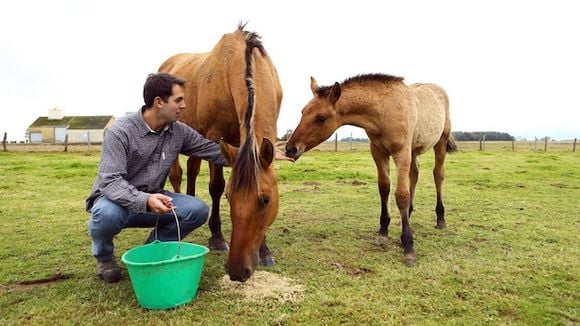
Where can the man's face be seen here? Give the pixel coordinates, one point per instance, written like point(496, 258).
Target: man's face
point(175, 104)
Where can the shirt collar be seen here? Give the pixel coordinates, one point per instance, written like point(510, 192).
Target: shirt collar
point(144, 128)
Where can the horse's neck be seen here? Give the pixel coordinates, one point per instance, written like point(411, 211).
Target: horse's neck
point(357, 109)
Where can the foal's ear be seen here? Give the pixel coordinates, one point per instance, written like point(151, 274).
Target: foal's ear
point(335, 92)
point(229, 152)
point(266, 153)
point(313, 85)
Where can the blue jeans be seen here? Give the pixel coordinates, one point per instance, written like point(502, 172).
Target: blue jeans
point(108, 219)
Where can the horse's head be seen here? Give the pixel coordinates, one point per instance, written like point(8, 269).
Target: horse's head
point(253, 196)
point(319, 120)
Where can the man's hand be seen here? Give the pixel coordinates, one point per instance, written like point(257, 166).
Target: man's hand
point(159, 203)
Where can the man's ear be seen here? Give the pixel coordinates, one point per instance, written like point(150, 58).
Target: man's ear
point(266, 153)
point(158, 102)
point(229, 152)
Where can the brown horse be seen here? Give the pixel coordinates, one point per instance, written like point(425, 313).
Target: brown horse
point(233, 95)
point(401, 121)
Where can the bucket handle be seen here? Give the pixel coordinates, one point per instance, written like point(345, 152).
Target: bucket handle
point(178, 230)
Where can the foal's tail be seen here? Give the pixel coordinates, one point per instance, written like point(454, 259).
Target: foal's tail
point(451, 144)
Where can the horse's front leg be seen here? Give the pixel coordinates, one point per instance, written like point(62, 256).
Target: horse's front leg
point(266, 257)
point(175, 174)
point(193, 166)
point(383, 169)
point(403, 197)
point(216, 190)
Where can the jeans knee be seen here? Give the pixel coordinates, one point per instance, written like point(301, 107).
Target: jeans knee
point(202, 213)
point(107, 219)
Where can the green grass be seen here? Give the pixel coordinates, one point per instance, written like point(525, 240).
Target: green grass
point(509, 255)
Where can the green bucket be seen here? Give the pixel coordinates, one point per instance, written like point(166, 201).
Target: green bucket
point(165, 274)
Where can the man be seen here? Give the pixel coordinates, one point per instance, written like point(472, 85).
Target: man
point(138, 151)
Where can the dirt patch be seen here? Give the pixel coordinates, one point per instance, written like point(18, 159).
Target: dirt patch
point(264, 285)
point(31, 284)
point(352, 271)
point(353, 182)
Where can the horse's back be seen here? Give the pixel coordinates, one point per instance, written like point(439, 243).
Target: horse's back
point(432, 105)
point(182, 65)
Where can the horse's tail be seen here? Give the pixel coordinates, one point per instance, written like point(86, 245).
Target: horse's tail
point(451, 144)
point(247, 167)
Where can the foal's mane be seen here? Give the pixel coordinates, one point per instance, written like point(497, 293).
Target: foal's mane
point(246, 169)
point(361, 79)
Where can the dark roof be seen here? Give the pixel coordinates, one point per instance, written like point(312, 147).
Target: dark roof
point(78, 122)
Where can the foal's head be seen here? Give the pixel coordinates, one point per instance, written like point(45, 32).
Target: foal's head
point(253, 196)
point(319, 120)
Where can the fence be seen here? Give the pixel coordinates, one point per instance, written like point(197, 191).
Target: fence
point(334, 145)
point(470, 146)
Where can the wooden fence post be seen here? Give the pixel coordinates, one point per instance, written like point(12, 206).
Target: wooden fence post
point(351, 141)
point(66, 143)
point(6, 135)
point(546, 144)
point(336, 142)
point(88, 140)
point(535, 143)
point(574, 148)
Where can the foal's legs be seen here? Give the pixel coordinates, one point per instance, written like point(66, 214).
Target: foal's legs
point(216, 190)
point(413, 177)
point(403, 195)
point(382, 162)
point(438, 174)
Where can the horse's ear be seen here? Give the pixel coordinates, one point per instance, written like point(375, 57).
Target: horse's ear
point(335, 92)
point(229, 152)
point(266, 153)
point(313, 85)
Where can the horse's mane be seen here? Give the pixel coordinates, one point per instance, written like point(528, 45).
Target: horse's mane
point(246, 169)
point(359, 79)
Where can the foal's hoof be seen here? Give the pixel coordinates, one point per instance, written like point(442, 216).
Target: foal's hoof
point(440, 225)
point(218, 245)
point(267, 261)
point(409, 259)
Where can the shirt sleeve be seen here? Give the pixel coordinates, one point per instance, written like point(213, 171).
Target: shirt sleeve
point(197, 145)
point(112, 172)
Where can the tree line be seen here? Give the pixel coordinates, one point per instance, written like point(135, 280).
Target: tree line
point(478, 135)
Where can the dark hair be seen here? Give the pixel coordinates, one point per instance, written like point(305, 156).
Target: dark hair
point(160, 84)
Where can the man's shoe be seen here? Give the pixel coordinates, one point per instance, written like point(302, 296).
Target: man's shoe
point(109, 271)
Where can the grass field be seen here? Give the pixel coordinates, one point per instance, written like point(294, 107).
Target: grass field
point(509, 255)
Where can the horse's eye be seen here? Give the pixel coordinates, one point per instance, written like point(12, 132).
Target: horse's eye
point(320, 119)
point(264, 200)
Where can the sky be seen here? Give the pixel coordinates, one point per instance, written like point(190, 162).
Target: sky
point(507, 66)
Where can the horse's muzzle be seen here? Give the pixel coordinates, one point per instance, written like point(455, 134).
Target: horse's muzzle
point(242, 272)
point(293, 152)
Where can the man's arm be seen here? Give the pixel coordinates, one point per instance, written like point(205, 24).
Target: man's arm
point(197, 145)
point(112, 172)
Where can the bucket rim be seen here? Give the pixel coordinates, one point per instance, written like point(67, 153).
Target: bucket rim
point(166, 261)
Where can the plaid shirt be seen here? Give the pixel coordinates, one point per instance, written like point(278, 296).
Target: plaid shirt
point(135, 160)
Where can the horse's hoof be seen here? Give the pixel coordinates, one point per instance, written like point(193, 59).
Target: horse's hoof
point(218, 245)
point(440, 225)
point(267, 261)
point(410, 259)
